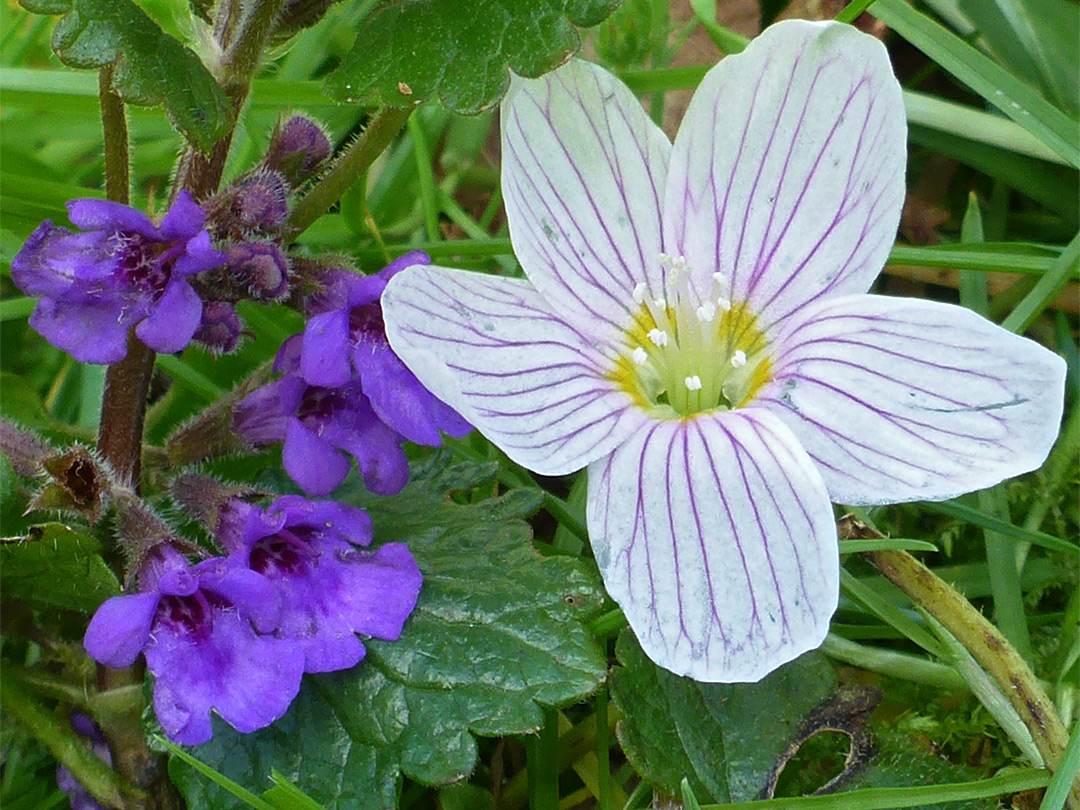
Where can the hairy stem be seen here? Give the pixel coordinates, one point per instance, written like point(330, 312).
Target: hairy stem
point(243, 39)
point(987, 646)
point(352, 163)
point(123, 405)
point(114, 127)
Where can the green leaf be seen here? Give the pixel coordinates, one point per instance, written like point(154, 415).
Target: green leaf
point(460, 50)
point(150, 67)
point(498, 633)
point(723, 738)
point(56, 567)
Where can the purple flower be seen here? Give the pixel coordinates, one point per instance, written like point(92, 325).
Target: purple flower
point(202, 630)
point(345, 340)
point(344, 389)
point(78, 796)
point(315, 422)
point(122, 271)
point(330, 590)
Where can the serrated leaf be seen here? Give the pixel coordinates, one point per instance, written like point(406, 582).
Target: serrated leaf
point(498, 632)
point(56, 567)
point(459, 49)
point(150, 67)
point(723, 738)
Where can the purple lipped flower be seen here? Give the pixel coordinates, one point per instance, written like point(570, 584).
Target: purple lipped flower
point(315, 423)
point(330, 589)
point(203, 630)
point(78, 796)
point(122, 270)
point(345, 340)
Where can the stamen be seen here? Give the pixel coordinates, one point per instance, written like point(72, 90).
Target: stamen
point(706, 312)
point(693, 383)
point(639, 292)
point(738, 360)
point(721, 281)
point(640, 356)
point(724, 304)
point(659, 337)
point(660, 303)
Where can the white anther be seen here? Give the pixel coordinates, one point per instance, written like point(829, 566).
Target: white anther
point(724, 304)
point(639, 292)
point(706, 312)
point(659, 337)
point(640, 356)
point(665, 261)
point(660, 303)
point(739, 358)
point(721, 280)
point(693, 383)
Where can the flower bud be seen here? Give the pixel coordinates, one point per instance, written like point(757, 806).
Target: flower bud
point(262, 268)
point(255, 203)
point(297, 149)
point(220, 328)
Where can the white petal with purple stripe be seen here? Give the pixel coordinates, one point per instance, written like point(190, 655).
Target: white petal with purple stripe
point(900, 399)
point(492, 350)
point(716, 537)
point(583, 176)
point(787, 175)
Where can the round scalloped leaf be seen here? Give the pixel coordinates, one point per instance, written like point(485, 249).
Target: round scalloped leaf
point(460, 50)
point(149, 66)
point(497, 634)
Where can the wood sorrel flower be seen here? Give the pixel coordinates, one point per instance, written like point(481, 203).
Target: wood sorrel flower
point(123, 271)
point(695, 330)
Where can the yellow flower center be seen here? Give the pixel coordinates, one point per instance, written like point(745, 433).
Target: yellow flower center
point(686, 354)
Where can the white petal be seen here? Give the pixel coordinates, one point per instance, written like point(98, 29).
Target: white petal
point(491, 349)
point(583, 172)
point(716, 537)
point(787, 174)
point(899, 399)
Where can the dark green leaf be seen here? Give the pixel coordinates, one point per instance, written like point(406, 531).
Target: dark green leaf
point(498, 633)
point(723, 738)
point(459, 49)
point(150, 67)
point(56, 567)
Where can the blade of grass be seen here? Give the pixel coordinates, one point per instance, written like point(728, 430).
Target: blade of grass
point(896, 798)
point(1018, 100)
point(985, 521)
point(1046, 290)
point(218, 779)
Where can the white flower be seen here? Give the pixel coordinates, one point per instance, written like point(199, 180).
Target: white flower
point(712, 463)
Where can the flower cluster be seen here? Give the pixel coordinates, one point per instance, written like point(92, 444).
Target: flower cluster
point(695, 330)
point(122, 271)
point(344, 389)
point(235, 633)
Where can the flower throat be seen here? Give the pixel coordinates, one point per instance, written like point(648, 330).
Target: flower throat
point(687, 353)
